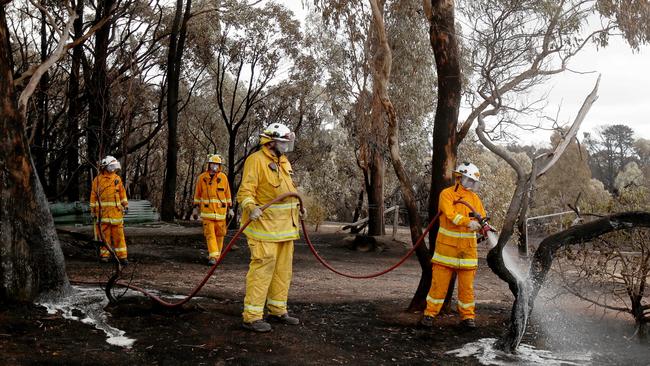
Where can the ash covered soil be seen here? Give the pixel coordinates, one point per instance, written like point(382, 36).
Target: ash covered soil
point(343, 321)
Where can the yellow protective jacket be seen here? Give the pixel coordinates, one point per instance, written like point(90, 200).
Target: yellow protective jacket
point(107, 197)
point(264, 178)
point(456, 243)
point(212, 194)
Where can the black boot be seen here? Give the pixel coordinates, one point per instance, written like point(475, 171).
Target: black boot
point(259, 326)
point(284, 319)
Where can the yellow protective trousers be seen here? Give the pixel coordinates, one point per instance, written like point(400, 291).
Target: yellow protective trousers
point(268, 278)
point(441, 275)
point(113, 235)
point(214, 231)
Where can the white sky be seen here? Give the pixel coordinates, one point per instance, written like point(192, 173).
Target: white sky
point(623, 94)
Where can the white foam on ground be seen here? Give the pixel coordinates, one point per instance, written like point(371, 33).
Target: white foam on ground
point(485, 352)
point(91, 303)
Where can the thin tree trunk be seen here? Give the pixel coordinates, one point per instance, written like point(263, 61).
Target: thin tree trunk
point(41, 115)
point(376, 135)
point(381, 78)
point(174, 65)
point(32, 263)
point(376, 193)
point(74, 111)
point(99, 114)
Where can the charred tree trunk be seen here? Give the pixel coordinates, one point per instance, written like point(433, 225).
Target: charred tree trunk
point(375, 164)
point(442, 36)
point(174, 65)
point(522, 245)
point(543, 259)
point(32, 262)
point(99, 113)
point(518, 203)
point(545, 253)
point(376, 192)
point(74, 111)
point(443, 40)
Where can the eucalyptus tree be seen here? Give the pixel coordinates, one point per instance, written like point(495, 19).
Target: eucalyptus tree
point(522, 44)
point(610, 148)
point(32, 262)
point(246, 52)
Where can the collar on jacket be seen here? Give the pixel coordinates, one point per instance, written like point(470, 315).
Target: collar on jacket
point(271, 155)
point(461, 190)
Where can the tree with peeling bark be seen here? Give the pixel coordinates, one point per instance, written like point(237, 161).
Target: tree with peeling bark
point(31, 264)
point(368, 126)
point(381, 104)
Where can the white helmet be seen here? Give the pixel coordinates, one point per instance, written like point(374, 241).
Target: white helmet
point(110, 163)
point(281, 134)
point(278, 132)
point(468, 170)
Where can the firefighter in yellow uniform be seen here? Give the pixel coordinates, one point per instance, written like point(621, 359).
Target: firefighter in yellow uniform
point(212, 199)
point(267, 174)
point(456, 246)
point(108, 205)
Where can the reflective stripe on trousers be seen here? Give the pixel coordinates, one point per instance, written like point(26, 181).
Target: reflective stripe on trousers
point(441, 275)
point(268, 278)
point(113, 235)
point(214, 231)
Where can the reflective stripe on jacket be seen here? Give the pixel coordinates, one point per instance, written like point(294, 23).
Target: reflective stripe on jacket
point(212, 194)
point(107, 197)
point(456, 243)
point(264, 178)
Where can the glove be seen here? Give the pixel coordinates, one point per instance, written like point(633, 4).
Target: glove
point(474, 225)
point(303, 212)
point(195, 213)
point(255, 214)
point(231, 213)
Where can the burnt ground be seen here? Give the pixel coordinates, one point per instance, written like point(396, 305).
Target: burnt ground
point(344, 321)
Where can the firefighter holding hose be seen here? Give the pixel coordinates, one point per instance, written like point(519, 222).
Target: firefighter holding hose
point(456, 245)
point(270, 235)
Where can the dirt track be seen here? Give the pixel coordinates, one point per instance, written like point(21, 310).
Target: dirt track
point(355, 322)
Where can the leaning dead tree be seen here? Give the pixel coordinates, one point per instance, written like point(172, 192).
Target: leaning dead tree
point(518, 208)
point(545, 253)
point(543, 259)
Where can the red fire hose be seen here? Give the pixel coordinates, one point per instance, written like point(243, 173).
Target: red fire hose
point(309, 243)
